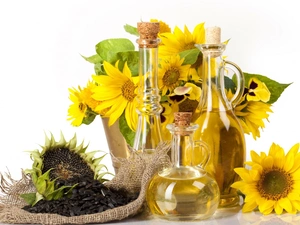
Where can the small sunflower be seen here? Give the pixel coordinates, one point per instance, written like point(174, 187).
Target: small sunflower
point(253, 108)
point(171, 73)
point(163, 27)
point(83, 109)
point(117, 91)
point(87, 93)
point(272, 182)
point(251, 115)
point(78, 109)
point(178, 41)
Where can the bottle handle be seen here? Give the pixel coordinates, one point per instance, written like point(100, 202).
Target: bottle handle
point(204, 151)
point(240, 84)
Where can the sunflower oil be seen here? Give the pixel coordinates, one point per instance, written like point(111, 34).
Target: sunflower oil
point(219, 128)
point(224, 135)
point(183, 191)
point(183, 194)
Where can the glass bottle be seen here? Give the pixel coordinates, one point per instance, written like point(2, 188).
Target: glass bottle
point(148, 133)
point(218, 125)
point(183, 191)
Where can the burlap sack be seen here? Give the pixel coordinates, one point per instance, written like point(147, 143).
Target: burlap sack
point(134, 175)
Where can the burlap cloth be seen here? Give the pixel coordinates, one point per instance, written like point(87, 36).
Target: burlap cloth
point(134, 175)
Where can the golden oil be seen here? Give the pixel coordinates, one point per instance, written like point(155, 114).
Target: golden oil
point(183, 191)
point(183, 194)
point(224, 136)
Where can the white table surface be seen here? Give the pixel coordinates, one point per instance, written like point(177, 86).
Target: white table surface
point(230, 216)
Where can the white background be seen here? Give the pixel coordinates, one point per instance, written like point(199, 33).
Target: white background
point(41, 43)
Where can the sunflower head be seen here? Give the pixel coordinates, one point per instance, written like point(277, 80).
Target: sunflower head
point(83, 109)
point(271, 183)
point(172, 73)
point(163, 27)
point(59, 162)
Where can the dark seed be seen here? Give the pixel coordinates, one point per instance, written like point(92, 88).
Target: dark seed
point(89, 196)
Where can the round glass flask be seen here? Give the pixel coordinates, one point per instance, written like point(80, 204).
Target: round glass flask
point(183, 191)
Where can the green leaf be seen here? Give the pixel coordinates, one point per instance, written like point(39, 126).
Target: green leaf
point(29, 197)
point(93, 59)
point(274, 87)
point(132, 59)
point(41, 185)
point(34, 176)
point(38, 197)
point(50, 188)
point(127, 133)
point(89, 117)
point(109, 48)
point(59, 192)
point(99, 70)
point(229, 84)
point(190, 56)
point(131, 29)
point(96, 161)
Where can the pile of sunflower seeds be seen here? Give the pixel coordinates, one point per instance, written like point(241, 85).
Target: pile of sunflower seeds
point(89, 196)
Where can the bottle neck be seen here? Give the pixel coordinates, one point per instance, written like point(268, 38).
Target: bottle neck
point(182, 145)
point(148, 134)
point(213, 85)
point(148, 92)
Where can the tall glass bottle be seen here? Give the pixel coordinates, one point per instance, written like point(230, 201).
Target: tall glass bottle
point(148, 133)
point(183, 191)
point(218, 125)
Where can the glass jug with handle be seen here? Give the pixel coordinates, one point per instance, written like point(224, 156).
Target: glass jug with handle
point(218, 125)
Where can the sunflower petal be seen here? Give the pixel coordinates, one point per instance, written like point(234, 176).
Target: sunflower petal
point(243, 173)
point(286, 204)
point(249, 206)
point(268, 162)
point(255, 157)
point(266, 206)
point(278, 209)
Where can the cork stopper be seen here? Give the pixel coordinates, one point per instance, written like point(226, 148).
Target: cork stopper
point(213, 35)
point(148, 34)
point(182, 118)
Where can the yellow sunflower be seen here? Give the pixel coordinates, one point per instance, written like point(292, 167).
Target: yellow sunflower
point(272, 182)
point(252, 115)
point(171, 73)
point(89, 101)
point(178, 41)
point(163, 27)
point(117, 91)
point(78, 108)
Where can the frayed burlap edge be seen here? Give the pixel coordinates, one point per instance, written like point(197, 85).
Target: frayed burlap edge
point(134, 175)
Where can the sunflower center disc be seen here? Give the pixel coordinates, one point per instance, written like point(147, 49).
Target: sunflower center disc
point(275, 184)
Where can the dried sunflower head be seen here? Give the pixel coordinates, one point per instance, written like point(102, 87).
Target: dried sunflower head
point(57, 164)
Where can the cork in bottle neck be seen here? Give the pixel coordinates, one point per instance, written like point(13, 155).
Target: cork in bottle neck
point(148, 34)
point(213, 35)
point(213, 44)
point(182, 118)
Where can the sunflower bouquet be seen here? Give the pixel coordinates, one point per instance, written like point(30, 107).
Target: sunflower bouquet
point(112, 90)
